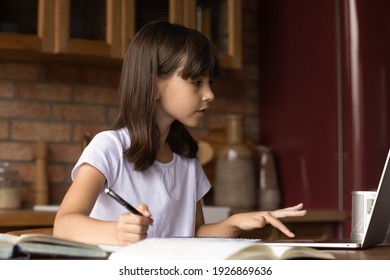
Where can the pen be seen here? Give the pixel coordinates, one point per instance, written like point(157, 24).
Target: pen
point(122, 201)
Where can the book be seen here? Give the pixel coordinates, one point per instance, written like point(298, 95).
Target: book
point(37, 245)
point(213, 249)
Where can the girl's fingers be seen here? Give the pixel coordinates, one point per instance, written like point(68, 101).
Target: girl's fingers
point(279, 225)
point(294, 211)
point(143, 208)
point(263, 218)
point(299, 206)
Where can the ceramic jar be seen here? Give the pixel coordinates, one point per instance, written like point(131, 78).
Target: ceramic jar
point(235, 172)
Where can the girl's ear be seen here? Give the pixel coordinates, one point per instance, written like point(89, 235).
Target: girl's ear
point(160, 89)
point(157, 95)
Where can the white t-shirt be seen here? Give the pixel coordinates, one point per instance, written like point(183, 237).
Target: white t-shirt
point(171, 190)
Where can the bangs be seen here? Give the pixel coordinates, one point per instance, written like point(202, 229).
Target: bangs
point(178, 46)
point(200, 57)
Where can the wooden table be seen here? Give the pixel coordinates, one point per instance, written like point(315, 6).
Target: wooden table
point(380, 252)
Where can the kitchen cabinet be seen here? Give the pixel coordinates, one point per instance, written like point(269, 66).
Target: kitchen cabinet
point(104, 28)
point(88, 27)
point(220, 21)
point(26, 25)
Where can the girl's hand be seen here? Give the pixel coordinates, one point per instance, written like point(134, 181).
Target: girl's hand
point(253, 220)
point(131, 228)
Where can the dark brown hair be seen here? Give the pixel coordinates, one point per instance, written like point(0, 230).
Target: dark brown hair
point(157, 51)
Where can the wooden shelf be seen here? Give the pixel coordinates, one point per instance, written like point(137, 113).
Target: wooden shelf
point(312, 215)
point(318, 216)
point(54, 34)
point(25, 218)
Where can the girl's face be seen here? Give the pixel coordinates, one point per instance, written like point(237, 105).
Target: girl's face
point(183, 100)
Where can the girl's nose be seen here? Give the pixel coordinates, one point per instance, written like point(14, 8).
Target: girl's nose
point(208, 95)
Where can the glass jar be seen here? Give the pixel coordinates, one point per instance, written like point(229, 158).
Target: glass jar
point(235, 172)
point(10, 187)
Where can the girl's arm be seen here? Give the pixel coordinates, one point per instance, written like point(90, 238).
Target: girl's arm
point(73, 222)
point(235, 224)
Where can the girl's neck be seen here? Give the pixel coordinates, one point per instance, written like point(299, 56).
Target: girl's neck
point(164, 153)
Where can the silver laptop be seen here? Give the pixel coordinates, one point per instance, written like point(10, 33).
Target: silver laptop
point(376, 229)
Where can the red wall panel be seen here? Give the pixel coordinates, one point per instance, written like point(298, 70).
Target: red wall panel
point(325, 94)
point(298, 98)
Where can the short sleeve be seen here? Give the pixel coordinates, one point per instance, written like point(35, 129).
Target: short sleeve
point(104, 152)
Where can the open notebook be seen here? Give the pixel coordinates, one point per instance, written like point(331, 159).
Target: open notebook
point(377, 226)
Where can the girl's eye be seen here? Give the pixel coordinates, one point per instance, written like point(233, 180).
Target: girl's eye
point(197, 83)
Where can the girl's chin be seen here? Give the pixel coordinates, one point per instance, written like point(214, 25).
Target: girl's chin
point(194, 120)
point(192, 123)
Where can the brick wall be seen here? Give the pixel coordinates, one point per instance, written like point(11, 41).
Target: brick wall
point(59, 102)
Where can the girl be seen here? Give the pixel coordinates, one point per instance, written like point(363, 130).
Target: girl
point(149, 158)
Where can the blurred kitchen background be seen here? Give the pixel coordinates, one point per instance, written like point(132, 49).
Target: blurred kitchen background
point(309, 77)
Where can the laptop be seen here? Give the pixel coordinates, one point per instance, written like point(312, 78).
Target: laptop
point(376, 228)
